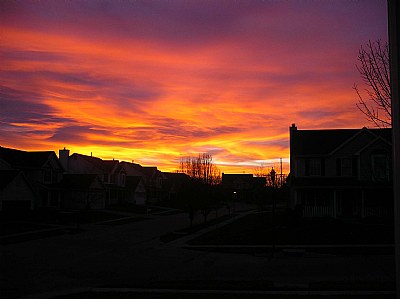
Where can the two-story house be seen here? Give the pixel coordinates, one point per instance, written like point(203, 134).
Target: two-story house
point(153, 180)
point(341, 173)
point(42, 169)
point(82, 191)
point(110, 172)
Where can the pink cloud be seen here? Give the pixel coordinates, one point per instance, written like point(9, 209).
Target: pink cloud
point(158, 80)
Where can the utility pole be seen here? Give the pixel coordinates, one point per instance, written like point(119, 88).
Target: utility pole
point(272, 174)
point(394, 39)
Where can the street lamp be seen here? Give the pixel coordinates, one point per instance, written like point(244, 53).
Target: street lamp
point(272, 174)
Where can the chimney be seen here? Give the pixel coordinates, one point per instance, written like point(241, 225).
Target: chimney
point(63, 155)
point(292, 131)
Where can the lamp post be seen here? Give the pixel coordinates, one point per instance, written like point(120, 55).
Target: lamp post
point(272, 174)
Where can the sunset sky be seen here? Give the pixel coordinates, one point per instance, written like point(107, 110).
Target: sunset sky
point(152, 81)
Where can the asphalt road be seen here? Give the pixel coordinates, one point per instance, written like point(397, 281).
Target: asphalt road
point(131, 255)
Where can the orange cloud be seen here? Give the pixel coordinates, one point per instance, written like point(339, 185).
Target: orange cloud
point(129, 86)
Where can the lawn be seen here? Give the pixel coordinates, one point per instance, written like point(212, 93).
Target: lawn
point(257, 229)
point(9, 228)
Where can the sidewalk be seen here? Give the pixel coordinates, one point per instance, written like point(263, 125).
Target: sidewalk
point(141, 293)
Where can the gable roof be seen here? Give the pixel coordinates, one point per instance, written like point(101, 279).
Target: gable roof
point(132, 181)
point(110, 165)
point(324, 142)
point(149, 171)
point(132, 169)
point(6, 177)
point(94, 161)
point(22, 159)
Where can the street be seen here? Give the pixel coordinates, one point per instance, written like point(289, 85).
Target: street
point(132, 255)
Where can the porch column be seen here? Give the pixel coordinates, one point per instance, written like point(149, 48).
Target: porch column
point(394, 38)
point(334, 204)
point(362, 204)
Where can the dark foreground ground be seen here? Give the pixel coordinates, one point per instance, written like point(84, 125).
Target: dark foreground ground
point(218, 295)
point(137, 254)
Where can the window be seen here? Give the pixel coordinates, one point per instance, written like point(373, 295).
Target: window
point(346, 165)
point(315, 167)
point(380, 168)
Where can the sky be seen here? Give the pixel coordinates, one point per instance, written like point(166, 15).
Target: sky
point(155, 81)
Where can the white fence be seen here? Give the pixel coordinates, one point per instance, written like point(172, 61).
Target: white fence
point(377, 211)
point(316, 211)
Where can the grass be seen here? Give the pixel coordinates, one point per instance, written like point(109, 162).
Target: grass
point(256, 229)
point(9, 228)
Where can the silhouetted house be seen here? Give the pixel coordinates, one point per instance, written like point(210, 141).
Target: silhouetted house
point(341, 173)
point(152, 177)
point(154, 180)
point(112, 174)
point(16, 193)
point(114, 180)
point(136, 190)
point(174, 184)
point(241, 186)
point(82, 191)
point(42, 169)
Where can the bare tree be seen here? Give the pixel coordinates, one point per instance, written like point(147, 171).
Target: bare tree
point(260, 171)
point(201, 168)
point(373, 66)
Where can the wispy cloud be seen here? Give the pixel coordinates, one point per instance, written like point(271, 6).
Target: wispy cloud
point(154, 81)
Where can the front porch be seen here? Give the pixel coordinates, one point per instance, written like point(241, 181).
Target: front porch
point(345, 203)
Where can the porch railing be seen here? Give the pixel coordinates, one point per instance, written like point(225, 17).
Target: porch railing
point(318, 211)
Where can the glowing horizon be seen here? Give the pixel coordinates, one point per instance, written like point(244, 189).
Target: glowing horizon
point(156, 81)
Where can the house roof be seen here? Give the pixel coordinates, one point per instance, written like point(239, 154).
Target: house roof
point(109, 165)
point(22, 159)
point(176, 180)
point(6, 177)
point(94, 161)
point(132, 169)
point(177, 176)
point(323, 142)
point(132, 181)
point(149, 171)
